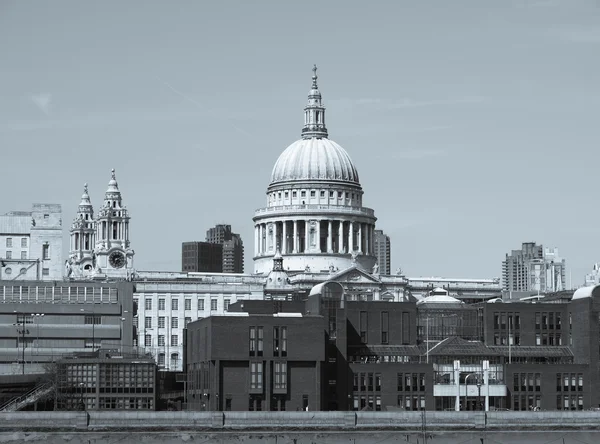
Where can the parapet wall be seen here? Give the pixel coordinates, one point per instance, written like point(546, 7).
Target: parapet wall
point(289, 421)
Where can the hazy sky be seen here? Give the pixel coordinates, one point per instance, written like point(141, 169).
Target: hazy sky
point(473, 124)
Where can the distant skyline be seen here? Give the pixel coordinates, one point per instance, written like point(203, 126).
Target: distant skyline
point(473, 123)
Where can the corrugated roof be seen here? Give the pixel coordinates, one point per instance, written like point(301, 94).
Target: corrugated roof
point(533, 351)
point(377, 350)
point(15, 224)
point(456, 346)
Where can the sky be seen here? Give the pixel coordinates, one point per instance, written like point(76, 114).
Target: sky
point(472, 123)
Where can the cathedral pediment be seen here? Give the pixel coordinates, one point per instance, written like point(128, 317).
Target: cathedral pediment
point(355, 275)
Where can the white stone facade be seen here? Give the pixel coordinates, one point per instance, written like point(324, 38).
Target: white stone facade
point(100, 247)
point(314, 211)
point(31, 244)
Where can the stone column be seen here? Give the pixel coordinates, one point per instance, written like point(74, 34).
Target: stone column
point(341, 236)
point(274, 236)
point(318, 234)
point(256, 240)
point(457, 383)
point(295, 249)
point(284, 238)
point(306, 237)
point(359, 241)
point(330, 237)
point(351, 237)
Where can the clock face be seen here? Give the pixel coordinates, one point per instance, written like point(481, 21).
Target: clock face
point(116, 259)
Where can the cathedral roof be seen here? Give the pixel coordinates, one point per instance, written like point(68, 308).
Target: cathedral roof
point(314, 157)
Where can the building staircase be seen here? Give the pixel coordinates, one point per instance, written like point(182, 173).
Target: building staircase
point(30, 397)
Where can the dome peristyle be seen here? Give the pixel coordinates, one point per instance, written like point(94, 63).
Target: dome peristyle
point(314, 159)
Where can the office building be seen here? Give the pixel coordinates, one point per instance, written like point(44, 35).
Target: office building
point(533, 268)
point(383, 252)
point(31, 244)
point(233, 247)
point(201, 257)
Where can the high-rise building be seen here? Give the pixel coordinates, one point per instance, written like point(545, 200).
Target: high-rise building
point(233, 247)
point(201, 257)
point(31, 243)
point(533, 268)
point(383, 252)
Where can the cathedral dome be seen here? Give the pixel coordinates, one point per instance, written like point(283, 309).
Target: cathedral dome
point(317, 159)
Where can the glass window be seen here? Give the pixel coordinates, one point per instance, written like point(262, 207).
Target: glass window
point(23, 242)
point(175, 304)
point(148, 304)
point(161, 322)
point(161, 340)
point(226, 303)
point(174, 322)
point(200, 304)
point(213, 304)
point(148, 322)
point(174, 340)
point(188, 304)
point(161, 304)
point(9, 242)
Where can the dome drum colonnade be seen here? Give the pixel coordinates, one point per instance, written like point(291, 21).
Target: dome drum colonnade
point(314, 213)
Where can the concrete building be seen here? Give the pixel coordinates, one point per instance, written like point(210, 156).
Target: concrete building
point(383, 252)
point(43, 321)
point(201, 257)
point(31, 244)
point(534, 268)
point(233, 247)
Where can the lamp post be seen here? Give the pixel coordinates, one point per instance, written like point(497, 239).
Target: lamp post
point(22, 332)
point(81, 403)
point(37, 317)
point(467, 387)
point(479, 394)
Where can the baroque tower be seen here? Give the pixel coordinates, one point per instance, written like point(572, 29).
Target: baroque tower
point(113, 256)
point(82, 239)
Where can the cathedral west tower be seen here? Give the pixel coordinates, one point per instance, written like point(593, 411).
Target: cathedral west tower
point(314, 211)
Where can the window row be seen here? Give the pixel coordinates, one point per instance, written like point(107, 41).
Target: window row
point(548, 321)
point(367, 382)
point(256, 338)
point(527, 402)
point(507, 321)
point(569, 402)
point(566, 382)
point(411, 382)
point(187, 304)
point(527, 382)
point(148, 341)
point(273, 197)
point(367, 402)
point(9, 242)
point(548, 339)
point(163, 321)
point(9, 254)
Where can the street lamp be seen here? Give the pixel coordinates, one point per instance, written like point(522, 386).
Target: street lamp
point(37, 317)
point(479, 406)
point(81, 403)
point(22, 332)
point(467, 387)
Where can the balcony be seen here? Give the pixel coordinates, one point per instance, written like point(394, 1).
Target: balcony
point(287, 209)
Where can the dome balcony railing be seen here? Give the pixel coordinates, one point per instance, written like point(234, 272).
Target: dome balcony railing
point(316, 207)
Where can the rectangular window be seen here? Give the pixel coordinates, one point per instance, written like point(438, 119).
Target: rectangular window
point(161, 340)
point(384, 327)
point(23, 242)
point(9, 255)
point(175, 304)
point(174, 340)
point(161, 322)
point(161, 304)
point(363, 326)
point(302, 193)
point(45, 271)
point(377, 382)
point(213, 304)
point(200, 304)
point(538, 321)
point(93, 320)
point(312, 193)
point(280, 383)
point(148, 304)
point(23, 255)
point(9, 242)
point(148, 341)
point(322, 193)
point(187, 304)
point(174, 322)
point(256, 376)
point(280, 341)
point(331, 194)
point(260, 341)
point(252, 341)
point(46, 252)
point(226, 303)
point(147, 322)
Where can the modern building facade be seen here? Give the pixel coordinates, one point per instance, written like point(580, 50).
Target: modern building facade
point(400, 355)
point(201, 257)
point(383, 252)
point(41, 322)
point(233, 247)
point(533, 268)
point(31, 244)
